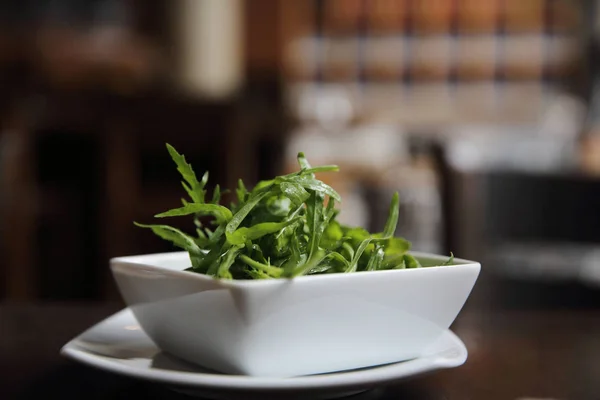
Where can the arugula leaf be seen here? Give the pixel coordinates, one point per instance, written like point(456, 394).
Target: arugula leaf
point(314, 185)
point(332, 235)
point(279, 206)
point(392, 221)
point(282, 238)
point(394, 249)
point(296, 258)
point(411, 262)
point(257, 253)
point(243, 234)
point(216, 195)
point(271, 271)
point(201, 234)
point(356, 235)
point(241, 192)
point(321, 268)
point(242, 213)
point(220, 212)
point(450, 260)
point(349, 249)
point(262, 185)
point(314, 215)
point(376, 258)
point(210, 263)
point(194, 188)
point(307, 266)
point(295, 192)
point(227, 261)
point(322, 168)
point(256, 274)
point(175, 236)
point(396, 246)
point(353, 265)
point(335, 256)
point(216, 236)
point(313, 170)
point(303, 162)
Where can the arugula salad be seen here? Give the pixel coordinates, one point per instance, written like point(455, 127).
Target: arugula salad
point(282, 228)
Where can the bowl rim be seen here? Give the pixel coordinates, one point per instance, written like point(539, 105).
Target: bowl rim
point(133, 261)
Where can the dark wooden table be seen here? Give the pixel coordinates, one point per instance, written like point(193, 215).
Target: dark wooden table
point(513, 355)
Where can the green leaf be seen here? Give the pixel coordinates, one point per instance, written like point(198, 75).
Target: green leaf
point(356, 235)
point(394, 249)
point(220, 212)
point(295, 192)
point(216, 195)
point(217, 234)
point(353, 265)
point(312, 184)
point(303, 162)
point(326, 218)
point(227, 261)
point(241, 192)
point(335, 256)
point(279, 206)
point(175, 236)
point(282, 238)
point(312, 170)
point(311, 263)
point(314, 216)
point(349, 249)
point(256, 274)
point(296, 257)
point(321, 268)
point(194, 188)
point(411, 262)
point(329, 212)
point(257, 253)
point(204, 180)
point(263, 185)
point(332, 236)
point(210, 264)
point(396, 246)
point(392, 221)
point(376, 259)
point(271, 271)
point(201, 239)
point(243, 234)
point(450, 260)
point(322, 168)
point(243, 212)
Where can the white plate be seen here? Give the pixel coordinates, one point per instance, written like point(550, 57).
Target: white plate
point(119, 345)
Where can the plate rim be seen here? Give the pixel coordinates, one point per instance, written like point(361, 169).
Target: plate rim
point(335, 380)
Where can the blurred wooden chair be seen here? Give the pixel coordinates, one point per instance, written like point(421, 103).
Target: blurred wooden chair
point(69, 86)
point(106, 87)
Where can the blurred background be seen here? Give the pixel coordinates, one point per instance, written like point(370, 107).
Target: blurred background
point(483, 114)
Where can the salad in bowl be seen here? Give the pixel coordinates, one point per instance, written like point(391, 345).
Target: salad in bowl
point(274, 285)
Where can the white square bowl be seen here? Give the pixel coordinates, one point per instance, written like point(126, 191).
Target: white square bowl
point(290, 327)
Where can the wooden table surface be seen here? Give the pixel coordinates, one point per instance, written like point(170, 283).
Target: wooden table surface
point(512, 355)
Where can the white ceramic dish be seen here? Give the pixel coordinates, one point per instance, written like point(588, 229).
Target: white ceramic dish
point(283, 328)
point(120, 346)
